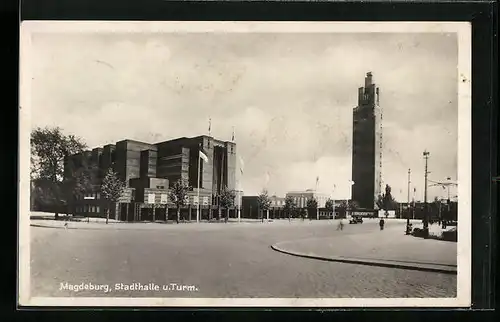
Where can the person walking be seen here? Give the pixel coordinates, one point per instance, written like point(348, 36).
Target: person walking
point(382, 223)
point(341, 225)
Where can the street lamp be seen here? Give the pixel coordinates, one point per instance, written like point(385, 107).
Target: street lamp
point(426, 210)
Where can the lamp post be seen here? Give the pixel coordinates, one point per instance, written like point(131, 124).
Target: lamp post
point(426, 210)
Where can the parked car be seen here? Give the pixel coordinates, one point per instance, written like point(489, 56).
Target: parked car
point(356, 220)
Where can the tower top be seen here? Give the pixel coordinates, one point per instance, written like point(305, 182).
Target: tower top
point(368, 79)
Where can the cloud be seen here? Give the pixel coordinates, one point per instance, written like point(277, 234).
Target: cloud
point(289, 98)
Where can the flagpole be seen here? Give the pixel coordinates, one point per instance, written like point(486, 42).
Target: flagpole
point(198, 192)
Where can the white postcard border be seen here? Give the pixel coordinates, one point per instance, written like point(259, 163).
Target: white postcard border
point(463, 31)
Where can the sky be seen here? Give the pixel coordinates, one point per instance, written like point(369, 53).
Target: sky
point(289, 98)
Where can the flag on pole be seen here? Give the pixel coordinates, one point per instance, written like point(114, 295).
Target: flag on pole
point(232, 138)
point(209, 125)
point(203, 156)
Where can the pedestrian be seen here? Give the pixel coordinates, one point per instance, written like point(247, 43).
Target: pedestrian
point(341, 225)
point(381, 223)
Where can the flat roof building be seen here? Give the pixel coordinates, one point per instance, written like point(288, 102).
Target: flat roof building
point(300, 197)
point(148, 170)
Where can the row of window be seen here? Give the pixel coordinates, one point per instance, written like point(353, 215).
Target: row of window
point(88, 208)
point(302, 201)
point(193, 200)
point(91, 195)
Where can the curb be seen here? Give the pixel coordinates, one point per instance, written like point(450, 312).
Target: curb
point(73, 228)
point(437, 268)
point(123, 226)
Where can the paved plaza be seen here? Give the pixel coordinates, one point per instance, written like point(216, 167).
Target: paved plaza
point(227, 260)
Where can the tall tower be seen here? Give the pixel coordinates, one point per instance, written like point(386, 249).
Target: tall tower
point(367, 146)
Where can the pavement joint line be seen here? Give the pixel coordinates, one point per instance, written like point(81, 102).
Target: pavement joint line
point(371, 262)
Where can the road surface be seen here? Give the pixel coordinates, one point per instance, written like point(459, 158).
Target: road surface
point(213, 260)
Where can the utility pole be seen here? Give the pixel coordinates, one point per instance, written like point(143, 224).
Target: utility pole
point(409, 182)
point(448, 186)
point(426, 210)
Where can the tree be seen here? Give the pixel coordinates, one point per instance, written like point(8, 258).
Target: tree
point(263, 202)
point(386, 201)
point(80, 176)
point(226, 200)
point(177, 195)
point(437, 208)
point(312, 206)
point(352, 205)
point(112, 188)
point(154, 207)
point(342, 208)
point(49, 147)
point(330, 206)
point(289, 207)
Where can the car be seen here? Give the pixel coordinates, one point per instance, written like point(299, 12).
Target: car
point(356, 220)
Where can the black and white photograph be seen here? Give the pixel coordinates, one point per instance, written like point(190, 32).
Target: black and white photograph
point(269, 164)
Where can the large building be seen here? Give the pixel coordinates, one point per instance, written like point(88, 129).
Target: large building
point(300, 197)
point(367, 146)
point(148, 171)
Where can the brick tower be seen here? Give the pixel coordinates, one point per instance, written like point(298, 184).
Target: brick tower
point(367, 146)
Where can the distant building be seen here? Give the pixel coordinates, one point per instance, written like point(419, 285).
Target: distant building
point(300, 197)
point(277, 202)
point(367, 146)
point(148, 171)
point(250, 206)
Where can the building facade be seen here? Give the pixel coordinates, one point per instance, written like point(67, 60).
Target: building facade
point(367, 146)
point(148, 171)
point(250, 207)
point(300, 197)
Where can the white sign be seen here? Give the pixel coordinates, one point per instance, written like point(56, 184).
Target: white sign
point(390, 214)
point(195, 200)
point(164, 198)
point(151, 198)
point(186, 199)
point(205, 200)
point(362, 213)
